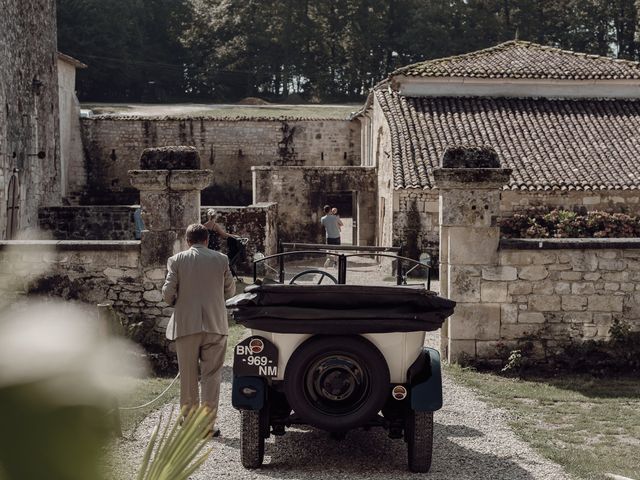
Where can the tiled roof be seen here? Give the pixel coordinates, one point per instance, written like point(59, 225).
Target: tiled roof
point(549, 144)
point(518, 59)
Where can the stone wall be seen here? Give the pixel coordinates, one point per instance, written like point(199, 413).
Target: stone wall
point(255, 222)
point(301, 193)
point(91, 272)
point(227, 147)
point(113, 222)
point(565, 290)
point(29, 149)
point(551, 292)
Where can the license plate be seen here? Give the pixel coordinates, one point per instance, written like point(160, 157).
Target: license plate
point(255, 356)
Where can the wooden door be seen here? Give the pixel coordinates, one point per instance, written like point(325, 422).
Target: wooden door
point(13, 207)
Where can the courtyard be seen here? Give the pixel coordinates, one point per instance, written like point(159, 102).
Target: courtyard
point(430, 212)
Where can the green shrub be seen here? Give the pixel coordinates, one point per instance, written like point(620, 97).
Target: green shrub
point(546, 223)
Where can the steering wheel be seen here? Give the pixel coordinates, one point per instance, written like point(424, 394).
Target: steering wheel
point(313, 271)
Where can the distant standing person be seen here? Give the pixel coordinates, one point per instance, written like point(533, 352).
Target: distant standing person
point(198, 279)
point(331, 226)
point(216, 231)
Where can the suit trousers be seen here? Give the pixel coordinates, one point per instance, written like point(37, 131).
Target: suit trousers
point(204, 350)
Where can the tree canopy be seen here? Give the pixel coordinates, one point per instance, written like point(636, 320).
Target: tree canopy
point(315, 50)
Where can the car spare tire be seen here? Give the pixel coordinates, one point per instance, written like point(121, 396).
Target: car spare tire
point(336, 382)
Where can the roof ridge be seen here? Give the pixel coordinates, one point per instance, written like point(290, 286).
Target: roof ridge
point(441, 63)
point(475, 53)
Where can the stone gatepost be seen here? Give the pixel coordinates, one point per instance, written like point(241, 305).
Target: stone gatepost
point(469, 182)
point(170, 181)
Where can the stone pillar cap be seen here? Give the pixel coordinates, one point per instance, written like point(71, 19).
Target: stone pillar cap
point(170, 158)
point(470, 156)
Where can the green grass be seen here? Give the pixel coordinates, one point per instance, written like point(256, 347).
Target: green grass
point(141, 391)
point(590, 426)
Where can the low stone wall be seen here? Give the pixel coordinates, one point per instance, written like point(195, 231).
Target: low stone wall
point(554, 291)
point(255, 222)
point(92, 272)
point(88, 222)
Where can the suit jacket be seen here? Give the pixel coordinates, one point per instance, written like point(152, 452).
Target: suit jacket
point(197, 282)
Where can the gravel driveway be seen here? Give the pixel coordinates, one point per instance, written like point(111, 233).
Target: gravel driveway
point(472, 441)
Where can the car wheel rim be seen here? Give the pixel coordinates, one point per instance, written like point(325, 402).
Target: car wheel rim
point(336, 384)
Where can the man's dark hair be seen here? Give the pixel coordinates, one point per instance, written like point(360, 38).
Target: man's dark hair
point(327, 208)
point(197, 233)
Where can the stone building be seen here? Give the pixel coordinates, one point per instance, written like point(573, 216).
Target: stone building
point(71, 154)
point(566, 123)
point(29, 124)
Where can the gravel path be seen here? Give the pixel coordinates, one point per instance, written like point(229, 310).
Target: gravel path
point(472, 441)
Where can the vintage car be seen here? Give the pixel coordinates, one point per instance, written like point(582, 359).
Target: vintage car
point(337, 357)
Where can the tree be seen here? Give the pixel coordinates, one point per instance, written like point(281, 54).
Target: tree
point(131, 47)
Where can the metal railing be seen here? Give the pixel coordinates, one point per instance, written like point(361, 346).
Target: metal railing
point(333, 250)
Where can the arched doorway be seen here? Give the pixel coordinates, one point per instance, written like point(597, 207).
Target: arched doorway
point(13, 207)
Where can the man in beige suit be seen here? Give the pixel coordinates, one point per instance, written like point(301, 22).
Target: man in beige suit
point(197, 282)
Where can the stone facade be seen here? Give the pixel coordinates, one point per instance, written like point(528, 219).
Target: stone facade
point(29, 137)
point(227, 147)
point(301, 192)
point(113, 222)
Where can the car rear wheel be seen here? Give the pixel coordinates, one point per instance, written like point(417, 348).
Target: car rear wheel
point(336, 382)
point(251, 438)
point(419, 435)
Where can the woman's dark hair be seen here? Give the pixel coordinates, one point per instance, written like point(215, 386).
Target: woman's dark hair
point(197, 233)
point(327, 208)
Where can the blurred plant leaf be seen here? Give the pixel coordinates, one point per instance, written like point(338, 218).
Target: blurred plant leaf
point(174, 454)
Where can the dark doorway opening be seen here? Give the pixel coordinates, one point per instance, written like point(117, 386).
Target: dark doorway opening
point(347, 205)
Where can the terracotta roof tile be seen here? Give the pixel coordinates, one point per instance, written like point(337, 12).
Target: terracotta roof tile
point(549, 144)
point(518, 59)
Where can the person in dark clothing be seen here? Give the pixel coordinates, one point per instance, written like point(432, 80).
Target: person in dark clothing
point(216, 231)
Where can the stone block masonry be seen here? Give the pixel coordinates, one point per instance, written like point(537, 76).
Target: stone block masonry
point(90, 272)
point(255, 222)
point(227, 147)
point(29, 125)
point(114, 222)
point(565, 290)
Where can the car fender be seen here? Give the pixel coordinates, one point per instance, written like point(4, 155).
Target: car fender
point(248, 393)
point(425, 381)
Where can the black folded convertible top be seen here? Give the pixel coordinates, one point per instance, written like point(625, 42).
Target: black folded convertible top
point(339, 309)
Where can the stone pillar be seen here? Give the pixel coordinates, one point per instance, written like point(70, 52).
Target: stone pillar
point(469, 181)
point(170, 181)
